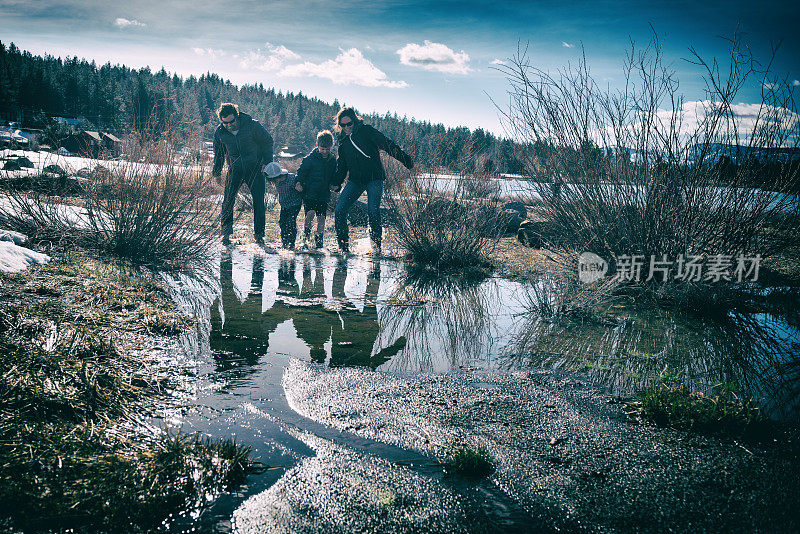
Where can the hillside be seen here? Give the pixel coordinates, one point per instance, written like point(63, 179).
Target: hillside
point(115, 98)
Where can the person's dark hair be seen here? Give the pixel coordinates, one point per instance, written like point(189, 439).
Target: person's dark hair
point(345, 112)
point(227, 108)
point(325, 139)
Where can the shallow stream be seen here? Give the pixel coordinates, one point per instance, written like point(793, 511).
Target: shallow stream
point(255, 313)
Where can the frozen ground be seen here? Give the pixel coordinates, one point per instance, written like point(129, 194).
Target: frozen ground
point(70, 164)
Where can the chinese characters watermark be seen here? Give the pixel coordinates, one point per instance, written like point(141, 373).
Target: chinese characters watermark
point(689, 268)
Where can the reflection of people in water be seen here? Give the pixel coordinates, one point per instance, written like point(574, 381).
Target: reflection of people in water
point(314, 324)
point(239, 331)
point(352, 333)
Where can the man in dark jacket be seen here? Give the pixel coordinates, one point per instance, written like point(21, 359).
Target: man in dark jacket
point(359, 158)
point(247, 147)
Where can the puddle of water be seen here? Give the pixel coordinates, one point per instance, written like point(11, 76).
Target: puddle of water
point(255, 313)
point(755, 354)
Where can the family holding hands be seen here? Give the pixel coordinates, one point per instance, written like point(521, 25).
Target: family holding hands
point(247, 147)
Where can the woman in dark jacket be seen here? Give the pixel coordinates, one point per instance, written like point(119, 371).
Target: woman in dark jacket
point(360, 161)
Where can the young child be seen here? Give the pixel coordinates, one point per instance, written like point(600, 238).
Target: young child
point(289, 199)
point(314, 178)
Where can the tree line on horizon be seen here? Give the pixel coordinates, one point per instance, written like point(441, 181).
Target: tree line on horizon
point(120, 99)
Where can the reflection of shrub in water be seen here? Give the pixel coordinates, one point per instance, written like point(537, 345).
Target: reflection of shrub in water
point(561, 296)
point(446, 318)
point(627, 348)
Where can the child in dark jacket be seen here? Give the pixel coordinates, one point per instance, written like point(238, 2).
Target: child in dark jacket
point(289, 199)
point(314, 176)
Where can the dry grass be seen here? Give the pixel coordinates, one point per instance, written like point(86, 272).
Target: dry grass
point(444, 224)
point(147, 208)
point(75, 388)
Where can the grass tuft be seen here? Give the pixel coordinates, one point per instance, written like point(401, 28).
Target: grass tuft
point(672, 404)
point(469, 462)
point(74, 451)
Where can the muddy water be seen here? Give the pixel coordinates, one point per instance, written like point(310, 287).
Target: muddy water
point(255, 313)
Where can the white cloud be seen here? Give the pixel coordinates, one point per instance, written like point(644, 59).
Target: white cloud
point(746, 118)
point(567, 45)
point(434, 56)
point(796, 83)
point(349, 67)
point(212, 53)
point(695, 117)
point(498, 62)
point(273, 59)
point(125, 23)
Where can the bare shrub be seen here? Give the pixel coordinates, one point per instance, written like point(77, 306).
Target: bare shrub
point(148, 208)
point(642, 171)
point(151, 208)
point(445, 218)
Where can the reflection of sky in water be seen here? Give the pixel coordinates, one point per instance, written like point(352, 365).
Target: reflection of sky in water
point(361, 311)
point(359, 305)
point(755, 354)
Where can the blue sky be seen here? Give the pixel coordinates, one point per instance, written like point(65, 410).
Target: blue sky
point(429, 60)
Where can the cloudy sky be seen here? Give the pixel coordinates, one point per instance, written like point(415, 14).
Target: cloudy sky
point(430, 60)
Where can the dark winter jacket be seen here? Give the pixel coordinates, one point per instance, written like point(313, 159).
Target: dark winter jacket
point(246, 151)
point(316, 174)
point(364, 162)
point(288, 197)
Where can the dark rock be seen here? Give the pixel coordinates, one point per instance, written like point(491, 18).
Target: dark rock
point(532, 233)
point(501, 220)
point(12, 165)
point(512, 215)
point(54, 169)
point(84, 173)
point(22, 161)
point(357, 216)
point(100, 172)
point(519, 207)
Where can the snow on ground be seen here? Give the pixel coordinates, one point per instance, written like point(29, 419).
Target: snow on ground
point(14, 258)
point(73, 216)
point(72, 164)
point(15, 237)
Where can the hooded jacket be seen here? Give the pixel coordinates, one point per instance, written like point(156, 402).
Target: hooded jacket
point(359, 155)
point(248, 150)
point(316, 174)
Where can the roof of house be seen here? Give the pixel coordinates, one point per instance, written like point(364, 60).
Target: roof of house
point(93, 135)
point(112, 137)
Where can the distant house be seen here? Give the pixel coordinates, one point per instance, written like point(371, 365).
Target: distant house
point(86, 143)
point(10, 137)
point(290, 153)
point(111, 143)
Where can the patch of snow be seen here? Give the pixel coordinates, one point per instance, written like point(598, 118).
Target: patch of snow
point(71, 163)
point(14, 258)
point(12, 236)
